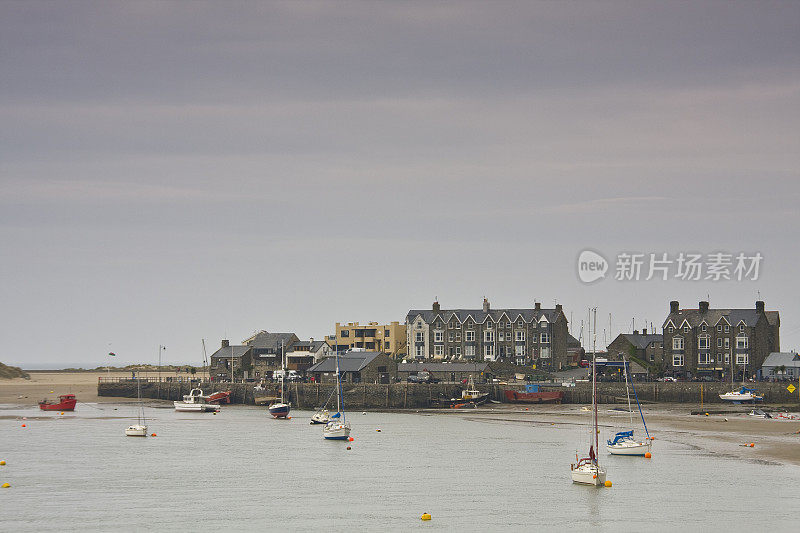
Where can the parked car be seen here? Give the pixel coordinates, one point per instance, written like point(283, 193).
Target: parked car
point(290, 375)
point(668, 379)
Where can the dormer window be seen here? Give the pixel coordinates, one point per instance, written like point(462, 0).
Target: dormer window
point(719, 328)
point(741, 327)
point(671, 329)
point(489, 324)
point(703, 327)
point(686, 329)
point(727, 328)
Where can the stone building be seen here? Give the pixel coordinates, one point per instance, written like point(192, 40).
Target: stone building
point(647, 347)
point(714, 342)
point(523, 336)
point(356, 367)
point(268, 351)
point(303, 354)
point(231, 363)
point(446, 372)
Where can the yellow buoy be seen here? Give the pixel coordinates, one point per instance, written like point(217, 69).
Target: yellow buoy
point(378, 430)
point(706, 414)
point(608, 483)
point(6, 485)
point(647, 455)
point(62, 412)
point(2, 463)
point(425, 516)
point(51, 392)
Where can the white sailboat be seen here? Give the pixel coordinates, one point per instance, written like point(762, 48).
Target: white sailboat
point(623, 442)
point(337, 427)
point(194, 402)
point(744, 394)
point(587, 470)
point(281, 409)
point(140, 428)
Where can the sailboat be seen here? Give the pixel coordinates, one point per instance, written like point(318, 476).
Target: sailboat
point(337, 427)
point(623, 442)
point(281, 409)
point(587, 470)
point(140, 428)
point(744, 394)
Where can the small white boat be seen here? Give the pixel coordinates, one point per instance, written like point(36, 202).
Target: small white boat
point(140, 428)
point(742, 395)
point(337, 427)
point(195, 402)
point(321, 417)
point(625, 444)
point(136, 430)
point(587, 472)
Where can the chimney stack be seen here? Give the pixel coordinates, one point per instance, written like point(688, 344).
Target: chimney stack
point(704, 307)
point(674, 306)
point(225, 343)
point(558, 307)
point(636, 332)
point(644, 331)
point(760, 306)
point(537, 306)
point(436, 307)
point(485, 305)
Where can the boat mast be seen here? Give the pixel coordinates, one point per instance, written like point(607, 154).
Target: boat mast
point(594, 383)
point(338, 384)
point(627, 389)
point(283, 372)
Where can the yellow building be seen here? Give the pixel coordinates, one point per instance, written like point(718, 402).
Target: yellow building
point(389, 338)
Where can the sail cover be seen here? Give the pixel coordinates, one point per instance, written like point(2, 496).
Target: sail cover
point(622, 435)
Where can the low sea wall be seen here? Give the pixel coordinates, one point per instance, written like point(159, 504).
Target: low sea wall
point(422, 395)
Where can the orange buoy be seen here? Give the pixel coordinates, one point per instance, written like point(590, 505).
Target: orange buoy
point(594, 476)
point(23, 425)
point(62, 412)
point(351, 439)
point(288, 418)
point(152, 434)
point(647, 455)
point(607, 483)
point(752, 444)
point(378, 430)
point(2, 463)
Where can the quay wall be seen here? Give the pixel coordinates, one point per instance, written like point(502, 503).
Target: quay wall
point(423, 395)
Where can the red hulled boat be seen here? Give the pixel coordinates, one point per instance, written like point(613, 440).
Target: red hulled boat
point(531, 396)
point(219, 397)
point(66, 402)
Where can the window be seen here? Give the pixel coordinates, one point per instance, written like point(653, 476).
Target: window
point(544, 353)
point(677, 343)
point(438, 350)
point(686, 329)
point(488, 336)
point(344, 333)
point(458, 350)
point(470, 325)
point(458, 325)
point(704, 358)
point(469, 336)
point(719, 342)
point(386, 332)
point(727, 343)
point(488, 350)
point(742, 342)
point(545, 338)
point(652, 356)
point(520, 336)
point(533, 325)
point(543, 324)
point(458, 336)
point(677, 359)
point(520, 323)
point(502, 336)
point(727, 358)
point(719, 328)
point(469, 351)
point(450, 336)
point(727, 328)
point(703, 342)
point(741, 327)
point(742, 359)
point(519, 349)
point(508, 324)
point(420, 351)
point(438, 336)
point(419, 337)
point(703, 327)
point(671, 329)
point(489, 324)
point(419, 325)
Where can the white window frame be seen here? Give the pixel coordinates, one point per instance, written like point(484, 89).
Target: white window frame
point(438, 350)
point(677, 359)
point(704, 358)
point(419, 337)
point(420, 350)
point(488, 350)
point(520, 336)
point(458, 351)
point(469, 335)
point(703, 342)
point(727, 328)
point(519, 350)
point(488, 336)
point(742, 358)
point(544, 352)
point(727, 342)
point(501, 336)
point(469, 350)
point(489, 324)
point(677, 343)
point(719, 342)
point(545, 338)
point(438, 336)
point(742, 342)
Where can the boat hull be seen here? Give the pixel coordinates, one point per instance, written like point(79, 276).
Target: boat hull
point(513, 396)
point(279, 410)
point(589, 475)
point(66, 405)
point(136, 431)
point(629, 448)
point(336, 432)
point(195, 407)
point(219, 397)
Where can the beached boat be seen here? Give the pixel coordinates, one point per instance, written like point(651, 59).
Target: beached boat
point(195, 402)
point(139, 429)
point(219, 397)
point(624, 442)
point(742, 395)
point(321, 417)
point(587, 470)
point(66, 402)
point(532, 394)
point(337, 428)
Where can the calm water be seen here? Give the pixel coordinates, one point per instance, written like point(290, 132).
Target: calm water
point(241, 470)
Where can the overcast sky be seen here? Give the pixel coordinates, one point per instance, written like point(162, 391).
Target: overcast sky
point(178, 171)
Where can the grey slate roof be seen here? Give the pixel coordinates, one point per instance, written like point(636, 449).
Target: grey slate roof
point(479, 315)
point(712, 316)
point(572, 341)
point(787, 359)
point(308, 345)
point(264, 339)
point(348, 362)
point(442, 367)
point(231, 351)
point(642, 341)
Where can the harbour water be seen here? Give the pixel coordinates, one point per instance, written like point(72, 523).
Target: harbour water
point(241, 470)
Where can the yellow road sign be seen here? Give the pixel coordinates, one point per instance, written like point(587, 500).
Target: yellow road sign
point(791, 388)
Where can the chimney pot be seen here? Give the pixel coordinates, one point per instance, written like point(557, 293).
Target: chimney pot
point(537, 305)
point(760, 306)
point(436, 308)
point(225, 343)
point(636, 332)
point(703, 307)
point(558, 307)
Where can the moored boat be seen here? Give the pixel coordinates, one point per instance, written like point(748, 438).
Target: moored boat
point(195, 402)
point(219, 397)
point(742, 395)
point(66, 402)
point(321, 417)
point(532, 394)
point(337, 427)
point(623, 442)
